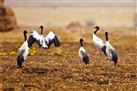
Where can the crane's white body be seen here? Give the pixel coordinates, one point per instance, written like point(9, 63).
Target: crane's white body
point(81, 51)
point(98, 42)
point(43, 42)
point(24, 50)
point(84, 55)
point(110, 51)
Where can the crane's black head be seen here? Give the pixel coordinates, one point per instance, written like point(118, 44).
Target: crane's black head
point(25, 32)
point(41, 27)
point(81, 42)
point(106, 33)
point(97, 27)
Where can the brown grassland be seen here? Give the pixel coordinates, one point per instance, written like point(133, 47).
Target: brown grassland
point(60, 69)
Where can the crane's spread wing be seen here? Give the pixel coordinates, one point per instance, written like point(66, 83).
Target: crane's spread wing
point(51, 38)
point(31, 41)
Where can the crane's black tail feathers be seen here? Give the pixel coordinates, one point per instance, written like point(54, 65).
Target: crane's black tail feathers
point(114, 57)
point(56, 41)
point(104, 49)
point(20, 60)
point(85, 59)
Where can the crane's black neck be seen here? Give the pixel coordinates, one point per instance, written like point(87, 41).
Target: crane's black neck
point(96, 30)
point(25, 35)
point(41, 31)
point(106, 34)
point(81, 42)
point(41, 27)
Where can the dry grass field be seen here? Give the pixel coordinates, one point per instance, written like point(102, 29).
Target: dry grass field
point(60, 69)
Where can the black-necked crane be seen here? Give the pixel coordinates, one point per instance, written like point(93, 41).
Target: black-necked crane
point(99, 43)
point(110, 51)
point(43, 42)
point(83, 53)
point(23, 51)
point(38, 38)
point(51, 38)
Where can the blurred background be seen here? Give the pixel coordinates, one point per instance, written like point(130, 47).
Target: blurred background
point(75, 13)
